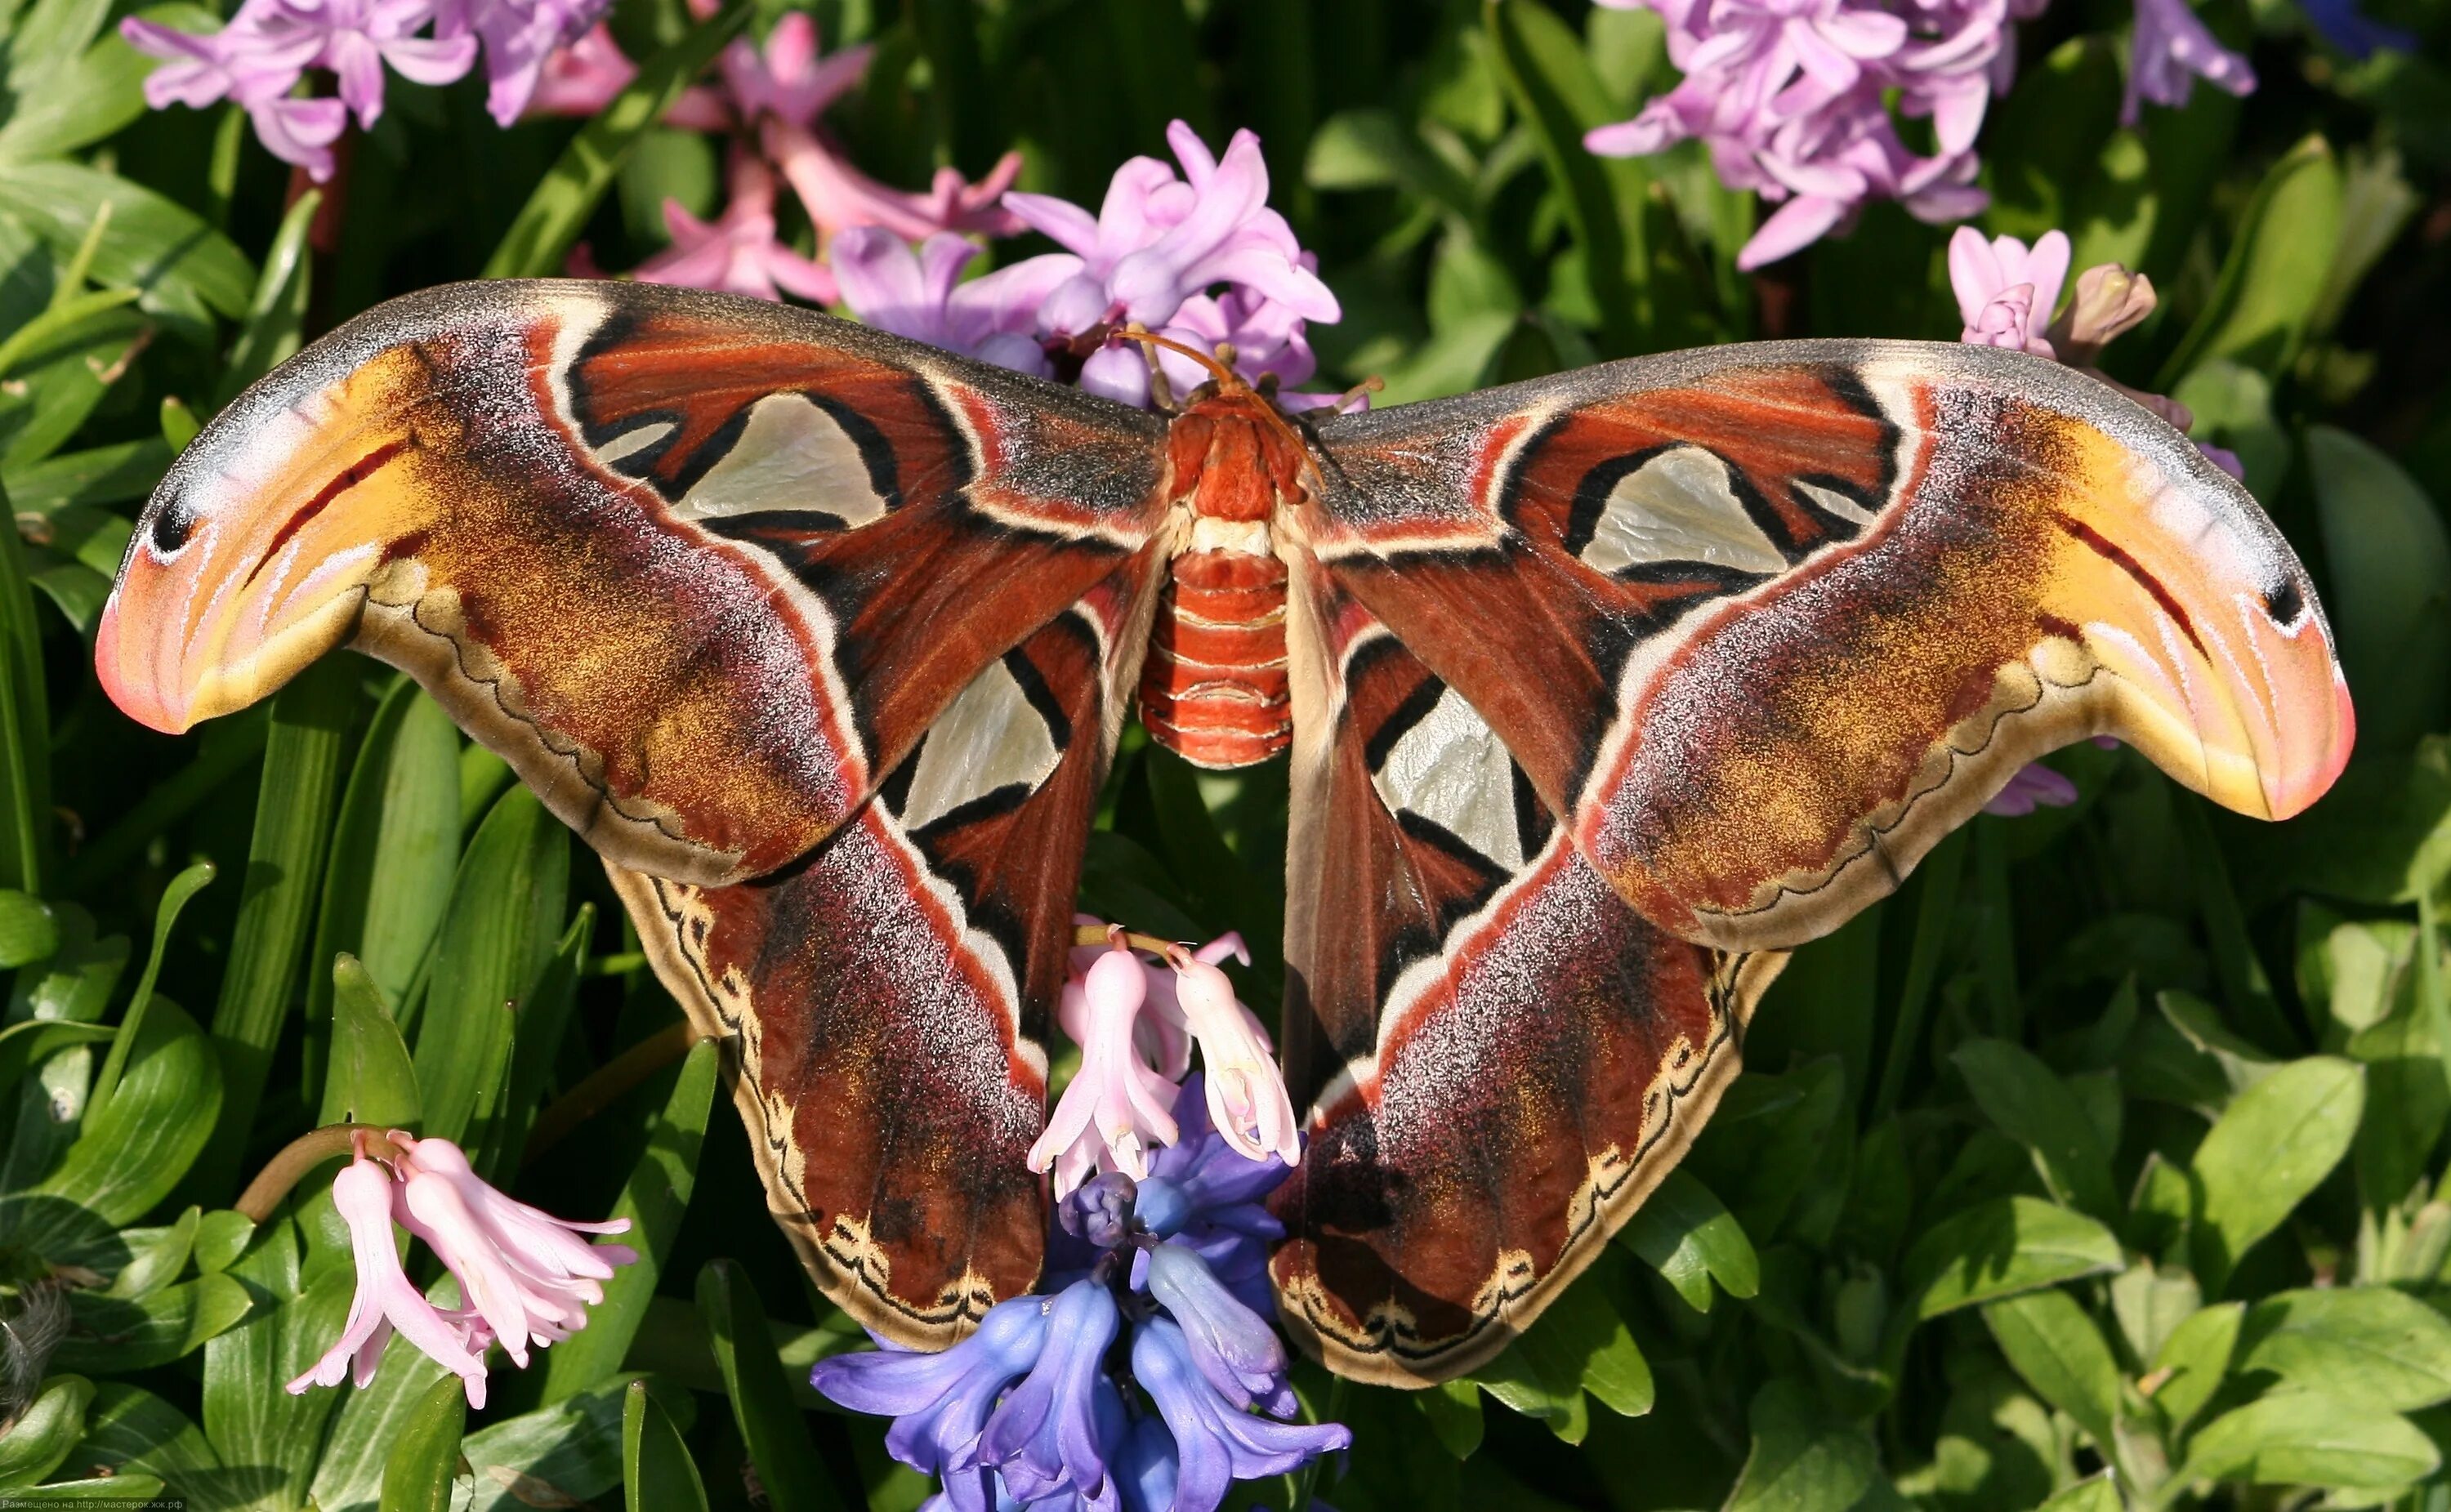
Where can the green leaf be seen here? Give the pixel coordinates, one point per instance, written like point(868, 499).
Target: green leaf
point(221, 1236)
point(285, 870)
point(2388, 588)
point(277, 315)
point(657, 1470)
point(155, 1256)
point(74, 101)
point(188, 271)
point(2274, 274)
point(35, 1444)
point(1454, 1410)
point(2305, 1437)
point(132, 1024)
point(2027, 1103)
point(372, 1080)
point(571, 1449)
point(1802, 1459)
point(251, 1418)
point(350, 1475)
point(103, 475)
point(133, 1152)
point(114, 1491)
point(1999, 1248)
point(2056, 1347)
point(1642, 301)
point(760, 1393)
point(25, 726)
point(25, 1046)
point(497, 934)
point(2358, 1344)
point(395, 847)
point(1371, 148)
point(2149, 1301)
point(1684, 1231)
point(133, 1433)
point(424, 1459)
point(2097, 1493)
point(2274, 1144)
point(541, 237)
point(655, 1201)
point(2196, 1356)
point(117, 1334)
point(2232, 405)
point(543, 1022)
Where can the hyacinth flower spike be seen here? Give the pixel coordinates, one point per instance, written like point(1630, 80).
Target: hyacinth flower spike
point(386, 1299)
point(526, 1275)
point(1247, 1097)
point(1117, 1105)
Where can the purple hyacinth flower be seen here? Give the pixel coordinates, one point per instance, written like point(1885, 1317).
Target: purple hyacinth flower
point(2173, 48)
point(1043, 1439)
point(921, 294)
point(1233, 1347)
point(2031, 786)
point(518, 36)
point(1099, 1210)
point(1216, 1443)
point(1145, 1468)
point(940, 1402)
point(359, 37)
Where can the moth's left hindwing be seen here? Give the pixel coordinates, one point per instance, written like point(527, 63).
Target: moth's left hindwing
point(888, 998)
point(702, 569)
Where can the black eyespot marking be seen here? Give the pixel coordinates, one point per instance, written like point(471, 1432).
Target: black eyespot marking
point(172, 527)
point(2285, 603)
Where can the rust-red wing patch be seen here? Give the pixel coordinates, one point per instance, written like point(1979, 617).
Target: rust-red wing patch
point(887, 999)
point(1503, 1058)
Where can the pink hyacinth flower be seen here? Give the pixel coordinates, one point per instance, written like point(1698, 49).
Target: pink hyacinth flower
point(737, 252)
point(525, 1272)
point(386, 1299)
point(1247, 1095)
point(1158, 240)
point(921, 294)
point(1117, 1105)
point(2007, 291)
point(2173, 48)
point(838, 195)
point(790, 79)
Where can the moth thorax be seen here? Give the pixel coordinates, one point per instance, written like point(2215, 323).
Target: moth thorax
point(1214, 689)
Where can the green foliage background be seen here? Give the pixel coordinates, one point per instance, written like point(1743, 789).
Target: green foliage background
point(2102, 1165)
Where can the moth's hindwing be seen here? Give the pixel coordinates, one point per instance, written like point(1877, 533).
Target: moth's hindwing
point(1507, 1057)
point(885, 1001)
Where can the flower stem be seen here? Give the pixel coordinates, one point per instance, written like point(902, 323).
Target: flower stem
point(604, 1084)
point(1096, 934)
point(296, 1159)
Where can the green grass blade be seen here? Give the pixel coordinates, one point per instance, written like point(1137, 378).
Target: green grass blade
point(655, 1201)
point(425, 1459)
point(393, 849)
point(277, 317)
point(284, 868)
point(549, 223)
point(769, 1419)
point(657, 1474)
point(174, 898)
point(24, 724)
point(499, 931)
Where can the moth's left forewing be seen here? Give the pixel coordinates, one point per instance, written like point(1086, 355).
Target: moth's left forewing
point(1502, 1058)
point(1767, 621)
point(886, 1001)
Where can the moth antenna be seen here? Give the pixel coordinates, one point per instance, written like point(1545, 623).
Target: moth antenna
point(1227, 378)
point(1353, 396)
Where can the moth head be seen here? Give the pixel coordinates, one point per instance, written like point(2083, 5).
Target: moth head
point(254, 554)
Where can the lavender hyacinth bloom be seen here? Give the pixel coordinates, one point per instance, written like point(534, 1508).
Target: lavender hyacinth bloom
point(1233, 1347)
point(1215, 1444)
point(1043, 1439)
point(518, 36)
point(940, 1402)
point(921, 294)
point(2172, 49)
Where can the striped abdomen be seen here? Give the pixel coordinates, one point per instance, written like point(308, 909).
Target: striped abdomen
point(1214, 689)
